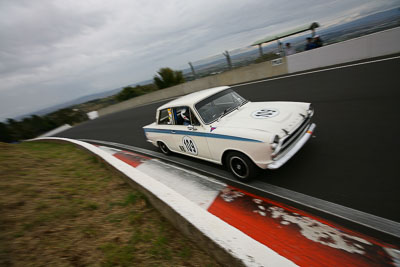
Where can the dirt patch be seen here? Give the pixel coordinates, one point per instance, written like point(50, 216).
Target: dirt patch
point(60, 206)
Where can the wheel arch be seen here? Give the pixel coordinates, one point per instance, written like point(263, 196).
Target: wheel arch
point(160, 141)
point(226, 152)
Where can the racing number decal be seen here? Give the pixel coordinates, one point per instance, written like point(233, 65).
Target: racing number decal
point(189, 145)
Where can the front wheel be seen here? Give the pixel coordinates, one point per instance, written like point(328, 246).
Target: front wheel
point(164, 149)
point(241, 166)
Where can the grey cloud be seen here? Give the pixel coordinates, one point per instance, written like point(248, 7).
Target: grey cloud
point(60, 50)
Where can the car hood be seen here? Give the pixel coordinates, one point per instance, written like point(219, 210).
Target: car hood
point(280, 118)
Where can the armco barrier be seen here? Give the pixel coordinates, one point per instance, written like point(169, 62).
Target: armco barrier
point(245, 74)
point(369, 46)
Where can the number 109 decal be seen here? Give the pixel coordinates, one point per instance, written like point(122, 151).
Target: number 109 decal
point(190, 145)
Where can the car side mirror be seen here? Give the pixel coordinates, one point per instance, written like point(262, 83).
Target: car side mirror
point(191, 128)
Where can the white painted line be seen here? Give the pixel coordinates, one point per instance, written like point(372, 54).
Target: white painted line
point(110, 150)
point(196, 187)
point(57, 130)
point(316, 71)
point(235, 242)
point(197, 175)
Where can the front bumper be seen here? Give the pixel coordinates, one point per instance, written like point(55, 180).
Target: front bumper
point(289, 153)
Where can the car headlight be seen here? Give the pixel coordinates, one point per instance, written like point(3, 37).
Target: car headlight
point(275, 142)
point(310, 110)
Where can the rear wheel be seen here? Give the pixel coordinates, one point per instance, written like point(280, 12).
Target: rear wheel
point(164, 149)
point(241, 166)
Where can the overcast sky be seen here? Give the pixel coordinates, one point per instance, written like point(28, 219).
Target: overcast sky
point(54, 51)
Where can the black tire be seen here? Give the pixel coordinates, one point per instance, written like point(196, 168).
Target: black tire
point(241, 166)
point(164, 149)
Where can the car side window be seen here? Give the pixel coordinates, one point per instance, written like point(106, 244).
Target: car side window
point(185, 116)
point(182, 115)
point(165, 116)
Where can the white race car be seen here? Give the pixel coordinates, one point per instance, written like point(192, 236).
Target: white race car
point(220, 126)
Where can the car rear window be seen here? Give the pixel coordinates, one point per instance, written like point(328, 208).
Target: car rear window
point(165, 116)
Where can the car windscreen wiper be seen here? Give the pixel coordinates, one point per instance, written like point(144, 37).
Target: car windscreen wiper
point(224, 113)
point(231, 108)
point(244, 102)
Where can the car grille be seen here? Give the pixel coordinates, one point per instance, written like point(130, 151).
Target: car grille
point(295, 135)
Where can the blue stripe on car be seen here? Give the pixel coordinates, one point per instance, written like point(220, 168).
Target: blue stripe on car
point(211, 135)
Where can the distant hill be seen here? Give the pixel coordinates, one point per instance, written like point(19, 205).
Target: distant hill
point(361, 26)
point(142, 83)
point(370, 20)
point(80, 100)
point(76, 101)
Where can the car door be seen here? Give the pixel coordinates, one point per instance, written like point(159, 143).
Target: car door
point(190, 135)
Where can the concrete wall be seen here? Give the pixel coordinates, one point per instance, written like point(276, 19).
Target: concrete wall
point(373, 45)
point(245, 74)
point(369, 46)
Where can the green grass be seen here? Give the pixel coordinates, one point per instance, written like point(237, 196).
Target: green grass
point(61, 206)
point(116, 255)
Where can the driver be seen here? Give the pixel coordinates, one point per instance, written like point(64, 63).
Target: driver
point(185, 116)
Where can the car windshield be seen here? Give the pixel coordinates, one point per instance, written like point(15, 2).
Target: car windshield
point(216, 106)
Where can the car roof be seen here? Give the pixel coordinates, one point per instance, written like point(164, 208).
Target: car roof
point(193, 98)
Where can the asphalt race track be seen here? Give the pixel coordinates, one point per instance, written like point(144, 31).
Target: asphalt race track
point(354, 159)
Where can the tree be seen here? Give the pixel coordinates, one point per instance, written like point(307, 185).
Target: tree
point(67, 116)
point(129, 92)
point(31, 127)
point(14, 129)
point(167, 77)
point(5, 134)
point(267, 57)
